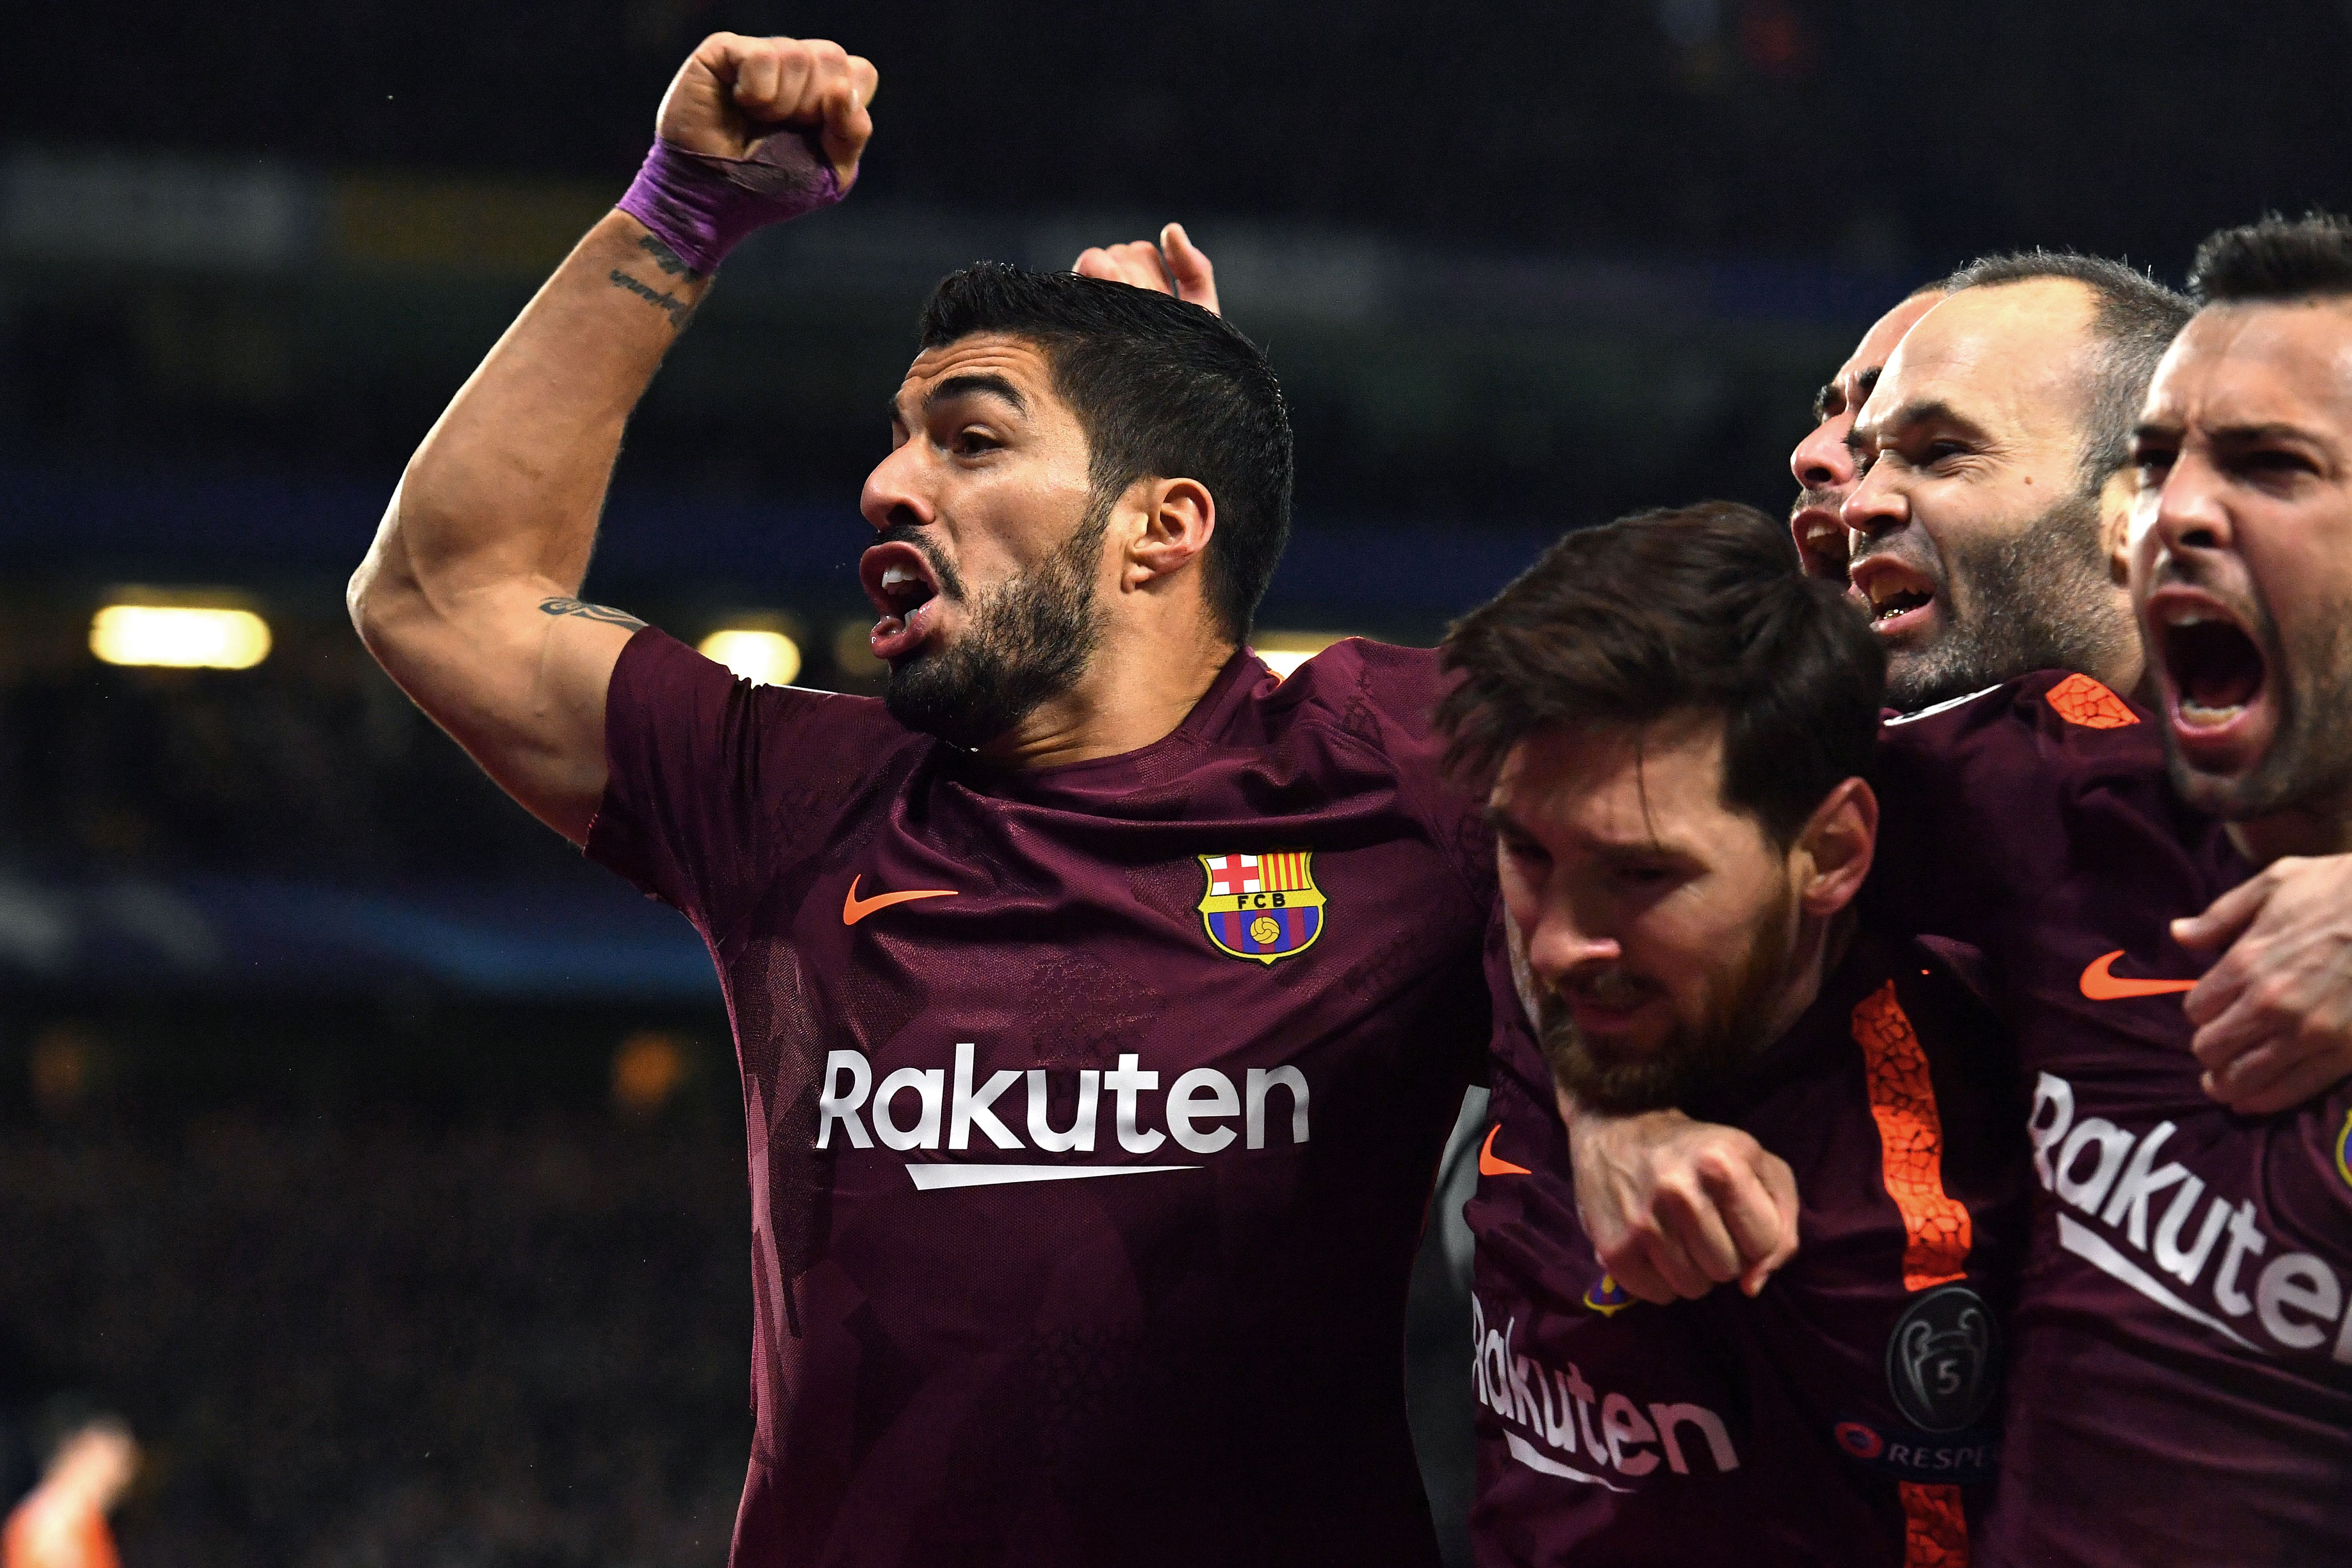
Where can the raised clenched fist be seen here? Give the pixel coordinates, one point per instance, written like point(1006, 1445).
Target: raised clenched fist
point(733, 92)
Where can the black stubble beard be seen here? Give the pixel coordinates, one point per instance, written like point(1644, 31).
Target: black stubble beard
point(2040, 599)
point(1029, 641)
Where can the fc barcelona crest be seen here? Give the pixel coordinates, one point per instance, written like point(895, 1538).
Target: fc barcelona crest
point(1262, 905)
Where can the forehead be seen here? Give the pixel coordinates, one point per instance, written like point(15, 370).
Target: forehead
point(1016, 361)
point(1878, 344)
point(2288, 364)
point(2013, 351)
point(1620, 783)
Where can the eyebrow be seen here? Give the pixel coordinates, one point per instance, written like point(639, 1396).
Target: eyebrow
point(2246, 434)
point(1934, 411)
point(976, 384)
point(1862, 383)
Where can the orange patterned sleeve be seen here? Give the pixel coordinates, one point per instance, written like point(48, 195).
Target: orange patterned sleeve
point(1911, 1140)
point(1935, 1531)
point(2080, 700)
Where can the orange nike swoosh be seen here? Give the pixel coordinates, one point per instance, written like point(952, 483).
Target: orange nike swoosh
point(2100, 985)
point(854, 909)
point(1490, 1166)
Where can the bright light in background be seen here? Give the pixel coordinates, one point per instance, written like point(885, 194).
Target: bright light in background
point(764, 659)
point(1284, 652)
point(853, 650)
point(179, 636)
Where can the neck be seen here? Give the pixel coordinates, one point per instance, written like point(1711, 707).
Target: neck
point(2321, 827)
point(1821, 947)
point(1134, 693)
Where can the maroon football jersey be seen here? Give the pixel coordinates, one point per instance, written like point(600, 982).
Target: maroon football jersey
point(1848, 1414)
point(2181, 1383)
point(1092, 1109)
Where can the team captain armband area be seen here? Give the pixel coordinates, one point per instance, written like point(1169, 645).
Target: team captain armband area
point(2181, 1363)
point(1092, 1111)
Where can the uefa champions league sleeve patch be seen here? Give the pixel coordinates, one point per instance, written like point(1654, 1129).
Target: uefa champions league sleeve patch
point(1262, 907)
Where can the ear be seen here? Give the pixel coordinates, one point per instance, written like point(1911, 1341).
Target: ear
point(1835, 848)
point(2115, 523)
point(1170, 521)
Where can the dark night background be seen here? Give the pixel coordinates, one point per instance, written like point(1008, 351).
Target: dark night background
point(376, 1159)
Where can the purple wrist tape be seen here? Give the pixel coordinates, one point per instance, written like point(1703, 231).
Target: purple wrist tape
point(701, 207)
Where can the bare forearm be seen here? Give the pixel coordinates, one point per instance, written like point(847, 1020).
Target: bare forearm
point(508, 484)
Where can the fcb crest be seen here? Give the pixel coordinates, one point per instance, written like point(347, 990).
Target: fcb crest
point(2344, 1148)
point(1263, 906)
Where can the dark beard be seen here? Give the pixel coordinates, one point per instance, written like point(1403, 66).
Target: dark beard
point(1694, 1060)
point(1029, 641)
point(2038, 600)
point(2309, 764)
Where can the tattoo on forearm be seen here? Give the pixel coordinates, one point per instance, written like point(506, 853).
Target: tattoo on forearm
point(588, 612)
point(669, 260)
point(677, 310)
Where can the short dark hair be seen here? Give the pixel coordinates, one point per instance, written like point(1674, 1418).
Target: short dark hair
point(2309, 258)
point(2135, 320)
point(1700, 609)
point(1163, 390)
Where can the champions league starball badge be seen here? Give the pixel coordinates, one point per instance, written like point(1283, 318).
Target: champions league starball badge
point(1943, 1360)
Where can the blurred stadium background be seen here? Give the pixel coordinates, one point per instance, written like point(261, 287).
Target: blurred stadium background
point(375, 1158)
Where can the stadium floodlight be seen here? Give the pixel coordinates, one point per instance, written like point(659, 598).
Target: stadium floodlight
point(1284, 652)
point(179, 636)
point(761, 657)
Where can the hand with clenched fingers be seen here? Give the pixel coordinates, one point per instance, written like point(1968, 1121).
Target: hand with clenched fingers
point(733, 92)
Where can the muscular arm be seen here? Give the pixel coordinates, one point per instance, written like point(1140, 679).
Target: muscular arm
point(469, 596)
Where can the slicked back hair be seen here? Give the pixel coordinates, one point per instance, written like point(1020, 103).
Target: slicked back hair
point(2280, 259)
point(2134, 320)
point(1163, 390)
point(1696, 610)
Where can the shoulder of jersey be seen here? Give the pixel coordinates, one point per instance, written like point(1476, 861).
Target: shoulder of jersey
point(1357, 671)
point(2074, 710)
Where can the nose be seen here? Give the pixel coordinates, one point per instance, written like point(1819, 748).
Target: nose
point(894, 492)
point(1562, 943)
point(2191, 511)
point(1877, 504)
point(1823, 460)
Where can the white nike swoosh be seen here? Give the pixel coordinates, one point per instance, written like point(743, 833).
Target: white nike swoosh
point(2099, 1253)
point(931, 1178)
point(1525, 1453)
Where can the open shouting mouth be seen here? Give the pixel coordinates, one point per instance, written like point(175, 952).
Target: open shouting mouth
point(2218, 691)
point(899, 582)
point(1897, 598)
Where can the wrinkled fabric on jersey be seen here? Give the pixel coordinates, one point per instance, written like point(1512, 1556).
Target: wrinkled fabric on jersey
point(1091, 1110)
point(2181, 1380)
point(1849, 1414)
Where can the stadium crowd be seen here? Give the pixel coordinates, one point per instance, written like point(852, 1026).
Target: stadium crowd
point(397, 1336)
